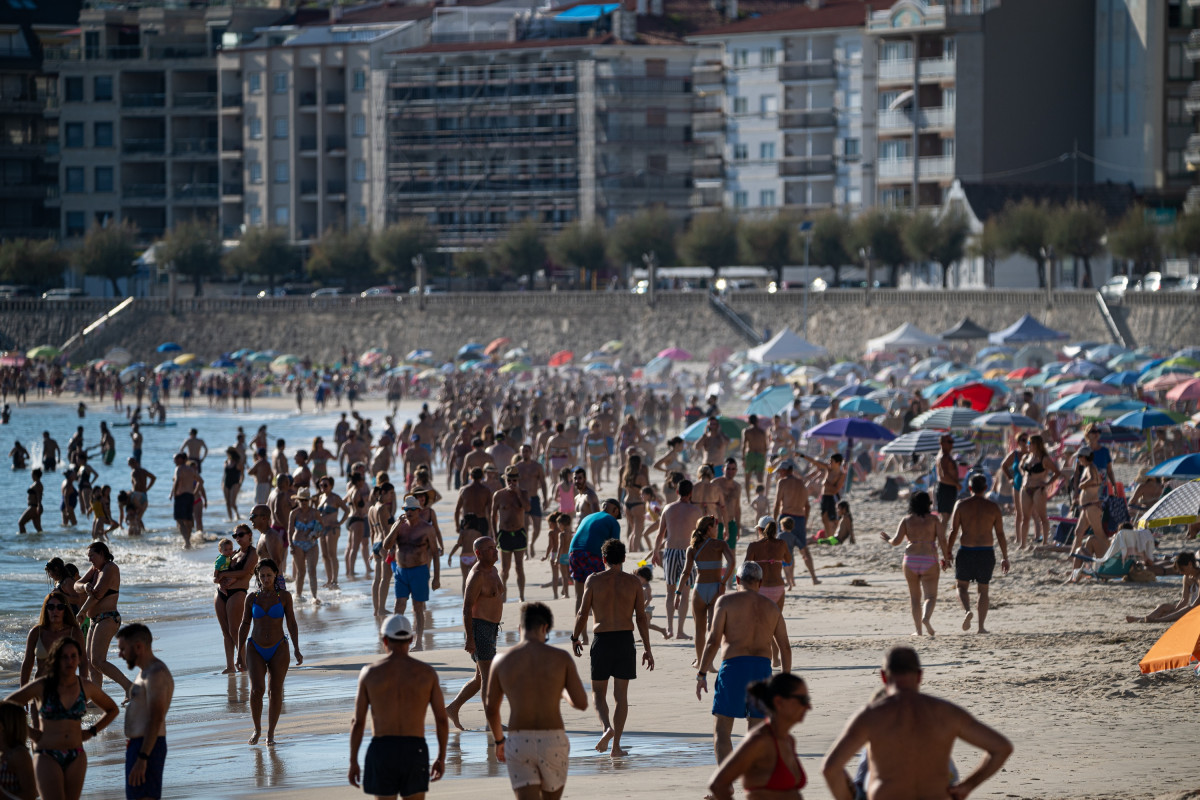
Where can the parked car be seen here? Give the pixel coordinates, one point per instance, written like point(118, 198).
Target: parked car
point(1188, 283)
point(428, 290)
point(1116, 286)
point(1157, 282)
point(381, 291)
point(63, 294)
point(326, 293)
point(7, 292)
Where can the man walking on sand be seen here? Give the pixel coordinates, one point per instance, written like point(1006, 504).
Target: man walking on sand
point(754, 454)
point(748, 623)
point(396, 690)
point(675, 532)
point(909, 738)
point(146, 715)
point(483, 608)
point(534, 676)
point(615, 599)
point(416, 546)
point(509, 507)
point(978, 518)
point(791, 500)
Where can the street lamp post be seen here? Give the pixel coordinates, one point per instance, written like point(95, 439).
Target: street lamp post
point(651, 262)
point(864, 253)
point(1048, 267)
point(418, 263)
point(806, 231)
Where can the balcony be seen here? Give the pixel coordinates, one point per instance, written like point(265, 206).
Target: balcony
point(335, 144)
point(931, 168)
point(796, 166)
point(178, 50)
point(194, 147)
point(232, 189)
point(807, 71)
point(307, 100)
point(1192, 103)
point(799, 119)
point(308, 144)
point(335, 98)
point(231, 100)
point(708, 122)
point(335, 188)
point(151, 147)
point(143, 100)
point(24, 103)
point(1191, 153)
point(308, 187)
point(901, 69)
point(197, 100)
point(231, 147)
point(902, 120)
point(1193, 46)
point(673, 134)
point(708, 75)
point(708, 169)
point(196, 192)
point(144, 191)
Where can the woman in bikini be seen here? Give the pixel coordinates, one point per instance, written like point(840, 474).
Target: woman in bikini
point(318, 457)
point(102, 584)
point(925, 536)
point(61, 698)
point(17, 778)
point(1011, 467)
point(57, 621)
point(1091, 510)
point(634, 476)
point(705, 553)
point(356, 524)
point(231, 481)
point(230, 601)
point(1039, 472)
point(378, 528)
point(769, 552)
point(64, 582)
point(304, 532)
point(328, 506)
point(766, 760)
point(267, 609)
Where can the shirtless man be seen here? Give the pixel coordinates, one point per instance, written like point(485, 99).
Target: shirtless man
point(947, 476)
point(483, 606)
point(195, 448)
point(540, 452)
point(501, 453)
point(978, 518)
point(146, 714)
point(476, 458)
point(586, 500)
point(279, 501)
point(51, 453)
point(396, 690)
point(1030, 408)
point(416, 547)
point(748, 623)
point(185, 502)
point(354, 451)
point(415, 456)
point(675, 532)
point(262, 473)
point(532, 480)
point(754, 454)
point(791, 500)
point(729, 517)
point(382, 462)
point(713, 443)
point(909, 738)
point(471, 515)
point(509, 507)
point(136, 439)
point(559, 449)
point(535, 677)
point(141, 480)
point(615, 599)
point(834, 472)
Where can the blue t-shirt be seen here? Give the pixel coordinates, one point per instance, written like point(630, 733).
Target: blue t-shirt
point(594, 531)
point(1101, 458)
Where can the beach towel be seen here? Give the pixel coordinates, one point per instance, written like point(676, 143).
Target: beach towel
point(1116, 513)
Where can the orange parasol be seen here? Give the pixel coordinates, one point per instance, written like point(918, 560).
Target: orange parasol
point(1179, 647)
point(561, 357)
point(495, 344)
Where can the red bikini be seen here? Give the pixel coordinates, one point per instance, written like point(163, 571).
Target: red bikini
point(782, 779)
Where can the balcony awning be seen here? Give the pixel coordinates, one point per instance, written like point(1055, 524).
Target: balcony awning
point(903, 100)
point(587, 13)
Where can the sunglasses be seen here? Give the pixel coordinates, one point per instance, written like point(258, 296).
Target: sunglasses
point(804, 699)
point(56, 607)
point(240, 535)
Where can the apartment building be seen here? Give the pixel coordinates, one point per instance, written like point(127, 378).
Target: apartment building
point(980, 90)
point(301, 122)
point(591, 128)
point(784, 100)
point(27, 178)
point(137, 115)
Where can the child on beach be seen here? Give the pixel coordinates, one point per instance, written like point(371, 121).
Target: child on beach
point(560, 549)
point(645, 575)
point(761, 503)
point(224, 560)
point(845, 529)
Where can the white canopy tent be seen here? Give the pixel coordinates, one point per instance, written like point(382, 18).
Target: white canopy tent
point(785, 346)
point(906, 337)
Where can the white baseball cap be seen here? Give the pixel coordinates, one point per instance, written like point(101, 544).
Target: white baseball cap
point(763, 522)
point(396, 627)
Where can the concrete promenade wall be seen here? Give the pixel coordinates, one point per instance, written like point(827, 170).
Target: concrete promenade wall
point(842, 321)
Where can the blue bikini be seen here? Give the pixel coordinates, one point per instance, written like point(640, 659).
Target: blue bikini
point(274, 612)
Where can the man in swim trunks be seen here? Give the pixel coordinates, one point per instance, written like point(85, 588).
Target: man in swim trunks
point(713, 443)
point(478, 457)
point(947, 475)
point(146, 714)
point(791, 500)
point(142, 480)
point(532, 480)
point(416, 546)
point(615, 599)
point(195, 448)
point(509, 507)
point(471, 519)
point(483, 607)
point(185, 502)
point(396, 690)
point(535, 676)
point(754, 454)
point(978, 518)
point(586, 500)
point(675, 532)
point(748, 623)
point(730, 513)
point(909, 737)
point(834, 471)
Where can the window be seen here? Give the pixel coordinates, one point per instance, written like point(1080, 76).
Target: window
point(103, 179)
point(853, 51)
point(893, 51)
point(281, 172)
point(656, 164)
point(947, 147)
point(279, 82)
point(255, 128)
point(1175, 112)
point(358, 124)
point(73, 134)
point(851, 148)
point(766, 56)
point(102, 134)
point(893, 198)
point(359, 80)
point(739, 200)
point(255, 172)
point(102, 88)
point(76, 225)
point(766, 151)
point(360, 170)
point(1175, 163)
point(281, 215)
point(741, 58)
point(656, 68)
point(360, 215)
point(656, 117)
point(766, 197)
point(894, 148)
point(280, 128)
point(854, 196)
point(740, 105)
point(254, 83)
point(75, 180)
point(886, 99)
point(73, 89)
point(768, 104)
point(741, 152)
point(854, 99)
point(256, 215)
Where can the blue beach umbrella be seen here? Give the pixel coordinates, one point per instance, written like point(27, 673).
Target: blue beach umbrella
point(1185, 466)
point(999, 420)
point(167, 366)
point(770, 401)
point(1146, 419)
point(1124, 378)
point(1070, 402)
point(855, 390)
point(861, 405)
point(169, 347)
point(850, 428)
point(729, 426)
point(815, 402)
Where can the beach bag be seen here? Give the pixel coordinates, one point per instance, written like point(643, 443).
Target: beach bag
point(1115, 567)
point(1116, 513)
point(1140, 574)
point(890, 491)
point(1064, 533)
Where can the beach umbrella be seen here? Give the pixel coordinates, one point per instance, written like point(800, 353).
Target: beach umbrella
point(928, 364)
point(44, 351)
point(470, 364)
point(1178, 647)
point(132, 371)
point(224, 363)
point(169, 347)
point(1147, 419)
point(1032, 355)
point(1107, 436)
point(996, 374)
point(888, 395)
point(1124, 360)
point(419, 355)
point(1036, 382)
point(1180, 506)
point(516, 354)
point(167, 366)
point(259, 358)
point(238, 355)
point(1078, 349)
point(1168, 380)
point(896, 371)
point(470, 353)
point(598, 366)
point(1104, 352)
point(1069, 402)
point(1080, 368)
point(850, 428)
point(515, 366)
point(432, 372)
point(771, 401)
point(729, 426)
point(1186, 390)
point(284, 363)
point(1186, 362)
point(953, 368)
point(596, 355)
point(400, 371)
point(846, 367)
point(815, 402)
point(1187, 352)
point(1185, 466)
point(1085, 387)
point(1124, 378)
point(495, 344)
point(994, 349)
point(562, 358)
point(979, 395)
point(854, 390)
point(118, 355)
point(1160, 370)
point(862, 406)
point(186, 359)
point(1108, 407)
point(613, 346)
point(1003, 419)
point(946, 419)
point(917, 442)
point(12, 359)
point(675, 354)
point(1021, 373)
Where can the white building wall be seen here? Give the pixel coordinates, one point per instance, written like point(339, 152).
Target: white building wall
point(752, 83)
